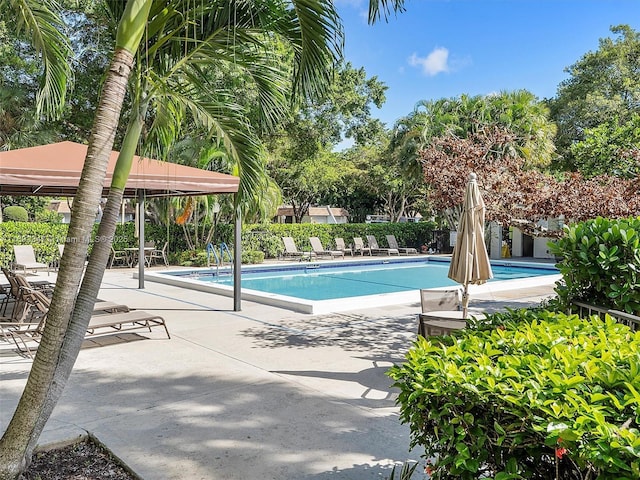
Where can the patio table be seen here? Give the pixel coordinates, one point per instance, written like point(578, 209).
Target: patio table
point(132, 254)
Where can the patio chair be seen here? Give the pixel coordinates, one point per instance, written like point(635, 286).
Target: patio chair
point(358, 247)
point(291, 251)
point(342, 247)
point(149, 247)
point(118, 257)
point(434, 300)
point(6, 298)
point(393, 243)
point(161, 254)
point(319, 250)
point(376, 249)
point(26, 259)
point(17, 284)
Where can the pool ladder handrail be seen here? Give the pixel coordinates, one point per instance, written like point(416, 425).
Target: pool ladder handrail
point(219, 259)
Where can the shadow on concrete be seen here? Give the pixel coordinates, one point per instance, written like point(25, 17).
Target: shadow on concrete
point(377, 337)
point(217, 426)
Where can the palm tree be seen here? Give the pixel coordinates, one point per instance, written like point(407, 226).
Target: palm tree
point(310, 21)
point(61, 338)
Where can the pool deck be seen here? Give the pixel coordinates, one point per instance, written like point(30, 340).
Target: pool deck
point(264, 393)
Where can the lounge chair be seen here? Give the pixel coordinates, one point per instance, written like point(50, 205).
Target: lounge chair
point(319, 250)
point(393, 243)
point(17, 285)
point(340, 245)
point(26, 259)
point(291, 251)
point(376, 249)
point(101, 323)
point(358, 247)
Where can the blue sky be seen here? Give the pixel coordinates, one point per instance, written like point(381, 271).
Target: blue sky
point(445, 48)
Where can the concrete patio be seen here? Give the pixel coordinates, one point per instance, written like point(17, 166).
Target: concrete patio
point(264, 393)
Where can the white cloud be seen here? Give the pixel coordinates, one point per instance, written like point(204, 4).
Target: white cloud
point(434, 63)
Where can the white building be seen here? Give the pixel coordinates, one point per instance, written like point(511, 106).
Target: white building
point(315, 215)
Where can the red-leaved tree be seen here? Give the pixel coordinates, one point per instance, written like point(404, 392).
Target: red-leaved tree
point(513, 192)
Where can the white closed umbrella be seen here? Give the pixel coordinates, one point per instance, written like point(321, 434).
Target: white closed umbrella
point(470, 261)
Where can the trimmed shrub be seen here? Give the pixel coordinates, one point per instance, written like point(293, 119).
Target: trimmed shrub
point(543, 396)
point(44, 237)
point(600, 263)
point(252, 256)
point(15, 213)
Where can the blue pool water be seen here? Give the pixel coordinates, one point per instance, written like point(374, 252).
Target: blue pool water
point(353, 279)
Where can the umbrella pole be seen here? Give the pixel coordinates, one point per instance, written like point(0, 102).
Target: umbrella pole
point(465, 300)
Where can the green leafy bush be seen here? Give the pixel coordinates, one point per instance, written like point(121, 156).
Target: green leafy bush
point(48, 216)
point(192, 258)
point(252, 256)
point(44, 237)
point(15, 213)
point(543, 396)
point(600, 263)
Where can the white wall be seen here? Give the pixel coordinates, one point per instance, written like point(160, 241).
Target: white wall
point(495, 240)
point(516, 242)
point(540, 248)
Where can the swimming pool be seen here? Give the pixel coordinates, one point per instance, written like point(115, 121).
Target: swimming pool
point(324, 287)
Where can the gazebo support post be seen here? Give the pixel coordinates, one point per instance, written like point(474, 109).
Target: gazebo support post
point(140, 220)
point(237, 258)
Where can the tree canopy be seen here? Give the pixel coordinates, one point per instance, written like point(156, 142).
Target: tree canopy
point(603, 85)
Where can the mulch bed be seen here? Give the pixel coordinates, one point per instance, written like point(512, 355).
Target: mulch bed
point(86, 460)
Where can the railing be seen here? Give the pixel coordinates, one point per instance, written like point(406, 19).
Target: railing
point(219, 259)
point(586, 309)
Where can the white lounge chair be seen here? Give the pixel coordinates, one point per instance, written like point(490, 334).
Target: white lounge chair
point(26, 259)
point(291, 251)
point(358, 247)
point(318, 249)
point(340, 245)
point(112, 319)
point(375, 248)
point(393, 243)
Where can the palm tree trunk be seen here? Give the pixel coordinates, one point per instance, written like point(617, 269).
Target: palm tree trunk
point(100, 252)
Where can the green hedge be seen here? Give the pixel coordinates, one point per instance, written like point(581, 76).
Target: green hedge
point(266, 238)
point(542, 396)
point(600, 263)
point(44, 237)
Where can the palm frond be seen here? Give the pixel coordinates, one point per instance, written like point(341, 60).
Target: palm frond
point(40, 22)
point(383, 8)
point(219, 114)
point(314, 30)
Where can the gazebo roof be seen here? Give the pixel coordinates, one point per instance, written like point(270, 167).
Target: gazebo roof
point(54, 170)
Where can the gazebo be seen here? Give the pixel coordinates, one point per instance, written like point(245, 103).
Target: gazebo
point(54, 170)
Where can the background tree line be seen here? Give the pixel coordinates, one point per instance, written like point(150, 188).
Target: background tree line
point(592, 127)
